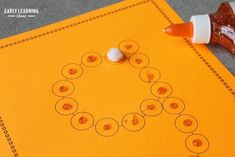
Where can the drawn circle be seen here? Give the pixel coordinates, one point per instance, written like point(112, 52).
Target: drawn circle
point(66, 106)
point(82, 121)
point(128, 47)
point(63, 88)
point(72, 71)
point(149, 74)
point(107, 127)
point(133, 122)
point(151, 107)
point(197, 143)
point(91, 59)
point(186, 123)
point(173, 105)
point(139, 60)
point(161, 89)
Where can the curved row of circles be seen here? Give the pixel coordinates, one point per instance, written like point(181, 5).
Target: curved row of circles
point(93, 59)
point(107, 127)
point(150, 107)
point(185, 123)
point(148, 74)
point(128, 47)
point(74, 71)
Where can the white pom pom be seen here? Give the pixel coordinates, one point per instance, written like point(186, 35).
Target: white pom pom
point(115, 55)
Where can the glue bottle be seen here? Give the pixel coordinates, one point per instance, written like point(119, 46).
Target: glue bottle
point(217, 28)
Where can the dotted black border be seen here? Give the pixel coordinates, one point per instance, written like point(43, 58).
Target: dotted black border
point(217, 75)
point(73, 24)
point(8, 138)
point(212, 69)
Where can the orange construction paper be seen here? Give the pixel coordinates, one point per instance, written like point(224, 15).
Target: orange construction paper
point(61, 97)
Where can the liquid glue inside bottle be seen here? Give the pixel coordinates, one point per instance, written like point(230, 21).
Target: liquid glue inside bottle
point(217, 28)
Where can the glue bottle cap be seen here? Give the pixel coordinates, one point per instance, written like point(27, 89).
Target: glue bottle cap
point(201, 28)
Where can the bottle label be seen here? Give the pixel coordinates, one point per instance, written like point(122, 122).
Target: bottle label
point(229, 32)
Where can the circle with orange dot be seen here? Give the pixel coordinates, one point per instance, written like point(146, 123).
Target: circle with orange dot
point(133, 121)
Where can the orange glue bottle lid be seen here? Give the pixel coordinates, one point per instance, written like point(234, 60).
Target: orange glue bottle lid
point(199, 29)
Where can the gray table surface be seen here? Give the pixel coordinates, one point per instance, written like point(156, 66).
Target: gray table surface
point(51, 11)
